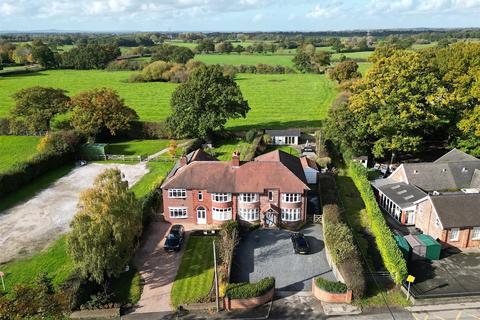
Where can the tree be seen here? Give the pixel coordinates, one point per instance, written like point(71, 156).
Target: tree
point(205, 102)
point(337, 45)
point(106, 229)
point(39, 105)
point(156, 71)
point(91, 56)
point(301, 61)
point(43, 55)
point(344, 71)
point(171, 53)
point(22, 55)
point(320, 59)
point(100, 109)
point(172, 148)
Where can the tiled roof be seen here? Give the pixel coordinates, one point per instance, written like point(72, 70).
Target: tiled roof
point(308, 163)
point(455, 155)
point(404, 195)
point(457, 210)
point(291, 162)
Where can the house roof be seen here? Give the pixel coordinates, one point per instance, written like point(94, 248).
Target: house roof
point(308, 163)
point(457, 210)
point(284, 133)
point(441, 176)
point(475, 183)
point(455, 155)
point(274, 171)
point(403, 194)
point(197, 155)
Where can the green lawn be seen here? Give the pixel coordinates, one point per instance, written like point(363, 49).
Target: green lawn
point(276, 101)
point(179, 43)
point(29, 190)
point(194, 278)
point(158, 171)
point(361, 55)
point(15, 149)
point(363, 67)
point(137, 147)
point(248, 59)
point(54, 261)
point(287, 149)
point(224, 149)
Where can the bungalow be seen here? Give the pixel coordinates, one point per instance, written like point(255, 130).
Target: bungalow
point(440, 198)
point(271, 190)
point(284, 137)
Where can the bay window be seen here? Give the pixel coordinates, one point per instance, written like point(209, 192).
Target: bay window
point(177, 212)
point(248, 197)
point(222, 214)
point(221, 197)
point(177, 193)
point(249, 214)
point(291, 197)
point(291, 214)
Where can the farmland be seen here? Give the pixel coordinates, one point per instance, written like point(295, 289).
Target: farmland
point(247, 59)
point(279, 100)
point(14, 150)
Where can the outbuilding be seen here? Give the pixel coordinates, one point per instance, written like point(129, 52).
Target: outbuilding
point(284, 137)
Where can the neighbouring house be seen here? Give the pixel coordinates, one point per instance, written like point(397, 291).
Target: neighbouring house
point(271, 190)
point(441, 198)
point(363, 160)
point(310, 169)
point(284, 137)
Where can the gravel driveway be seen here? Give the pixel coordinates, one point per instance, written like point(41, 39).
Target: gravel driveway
point(32, 225)
point(268, 252)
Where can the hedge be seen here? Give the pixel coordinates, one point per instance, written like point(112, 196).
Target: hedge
point(247, 290)
point(391, 254)
point(24, 173)
point(331, 286)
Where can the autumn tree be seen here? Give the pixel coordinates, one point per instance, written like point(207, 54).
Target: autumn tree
point(106, 229)
point(346, 70)
point(100, 109)
point(172, 148)
point(204, 103)
point(39, 105)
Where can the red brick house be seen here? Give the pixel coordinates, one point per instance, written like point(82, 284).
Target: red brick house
point(441, 198)
point(271, 190)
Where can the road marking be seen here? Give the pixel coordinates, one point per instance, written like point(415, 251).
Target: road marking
point(459, 315)
point(440, 318)
point(471, 315)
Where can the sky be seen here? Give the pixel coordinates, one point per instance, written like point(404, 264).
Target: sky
point(235, 15)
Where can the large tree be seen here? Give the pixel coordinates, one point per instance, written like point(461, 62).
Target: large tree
point(344, 71)
point(43, 55)
point(39, 105)
point(106, 229)
point(205, 102)
point(171, 53)
point(100, 109)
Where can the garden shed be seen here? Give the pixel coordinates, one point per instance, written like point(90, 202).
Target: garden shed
point(419, 249)
point(93, 151)
point(403, 245)
point(433, 247)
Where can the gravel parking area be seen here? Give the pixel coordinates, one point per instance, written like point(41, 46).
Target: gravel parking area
point(269, 252)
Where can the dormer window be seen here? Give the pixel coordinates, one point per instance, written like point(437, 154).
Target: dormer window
point(464, 170)
point(415, 171)
point(221, 197)
point(248, 197)
point(291, 197)
point(444, 170)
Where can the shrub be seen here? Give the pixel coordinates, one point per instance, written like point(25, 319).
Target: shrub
point(341, 243)
point(331, 286)
point(58, 142)
point(331, 213)
point(136, 77)
point(125, 65)
point(156, 71)
point(250, 135)
point(247, 290)
point(391, 254)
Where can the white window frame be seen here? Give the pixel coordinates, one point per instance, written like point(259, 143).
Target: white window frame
point(291, 197)
point(476, 233)
point(176, 212)
point(248, 197)
point(222, 214)
point(200, 196)
point(177, 193)
point(247, 214)
point(291, 215)
point(221, 197)
point(457, 233)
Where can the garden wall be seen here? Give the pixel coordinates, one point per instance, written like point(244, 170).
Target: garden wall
point(232, 304)
point(326, 296)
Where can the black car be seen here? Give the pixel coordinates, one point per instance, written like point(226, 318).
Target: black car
point(175, 238)
point(300, 243)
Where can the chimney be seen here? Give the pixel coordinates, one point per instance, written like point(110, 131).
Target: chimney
point(236, 159)
point(183, 161)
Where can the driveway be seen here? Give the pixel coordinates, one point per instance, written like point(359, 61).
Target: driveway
point(32, 225)
point(269, 252)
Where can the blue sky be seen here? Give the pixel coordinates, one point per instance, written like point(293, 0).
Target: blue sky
point(235, 15)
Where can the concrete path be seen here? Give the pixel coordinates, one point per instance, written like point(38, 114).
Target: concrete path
point(31, 226)
point(163, 151)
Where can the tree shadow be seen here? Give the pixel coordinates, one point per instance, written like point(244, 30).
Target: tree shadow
point(303, 124)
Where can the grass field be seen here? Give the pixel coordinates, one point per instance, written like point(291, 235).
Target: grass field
point(276, 101)
point(195, 276)
point(137, 147)
point(361, 55)
point(15, 149)
point(225, 149)
point(363, 67)
point(287, 149)
point(158, 171)
point(247, 59)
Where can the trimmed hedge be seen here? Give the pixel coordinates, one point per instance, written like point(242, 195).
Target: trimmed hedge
point(246, 290)
point(391, 254)
point(331, 286)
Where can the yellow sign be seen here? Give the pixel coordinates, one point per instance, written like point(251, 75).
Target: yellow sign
point(410, 278)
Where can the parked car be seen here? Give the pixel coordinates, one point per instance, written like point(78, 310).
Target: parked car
point(300, 243)
point(175, 238)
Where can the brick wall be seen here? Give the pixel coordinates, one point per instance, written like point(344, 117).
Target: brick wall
point(326, 296)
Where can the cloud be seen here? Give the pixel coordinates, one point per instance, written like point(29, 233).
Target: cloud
point(421, 6)
point(258, 17)
point(326, 11)
point(7, 9)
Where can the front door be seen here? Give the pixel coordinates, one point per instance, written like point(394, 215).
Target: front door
point(270, 218)
point(201, 215)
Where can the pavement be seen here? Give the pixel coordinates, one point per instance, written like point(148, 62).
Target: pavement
point(269, 252)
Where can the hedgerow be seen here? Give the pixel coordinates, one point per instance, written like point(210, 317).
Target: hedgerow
point(247, 290)
point(391, 254)
point(331, 286)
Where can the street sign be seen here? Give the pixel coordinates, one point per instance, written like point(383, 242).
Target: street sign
point(410, 278)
